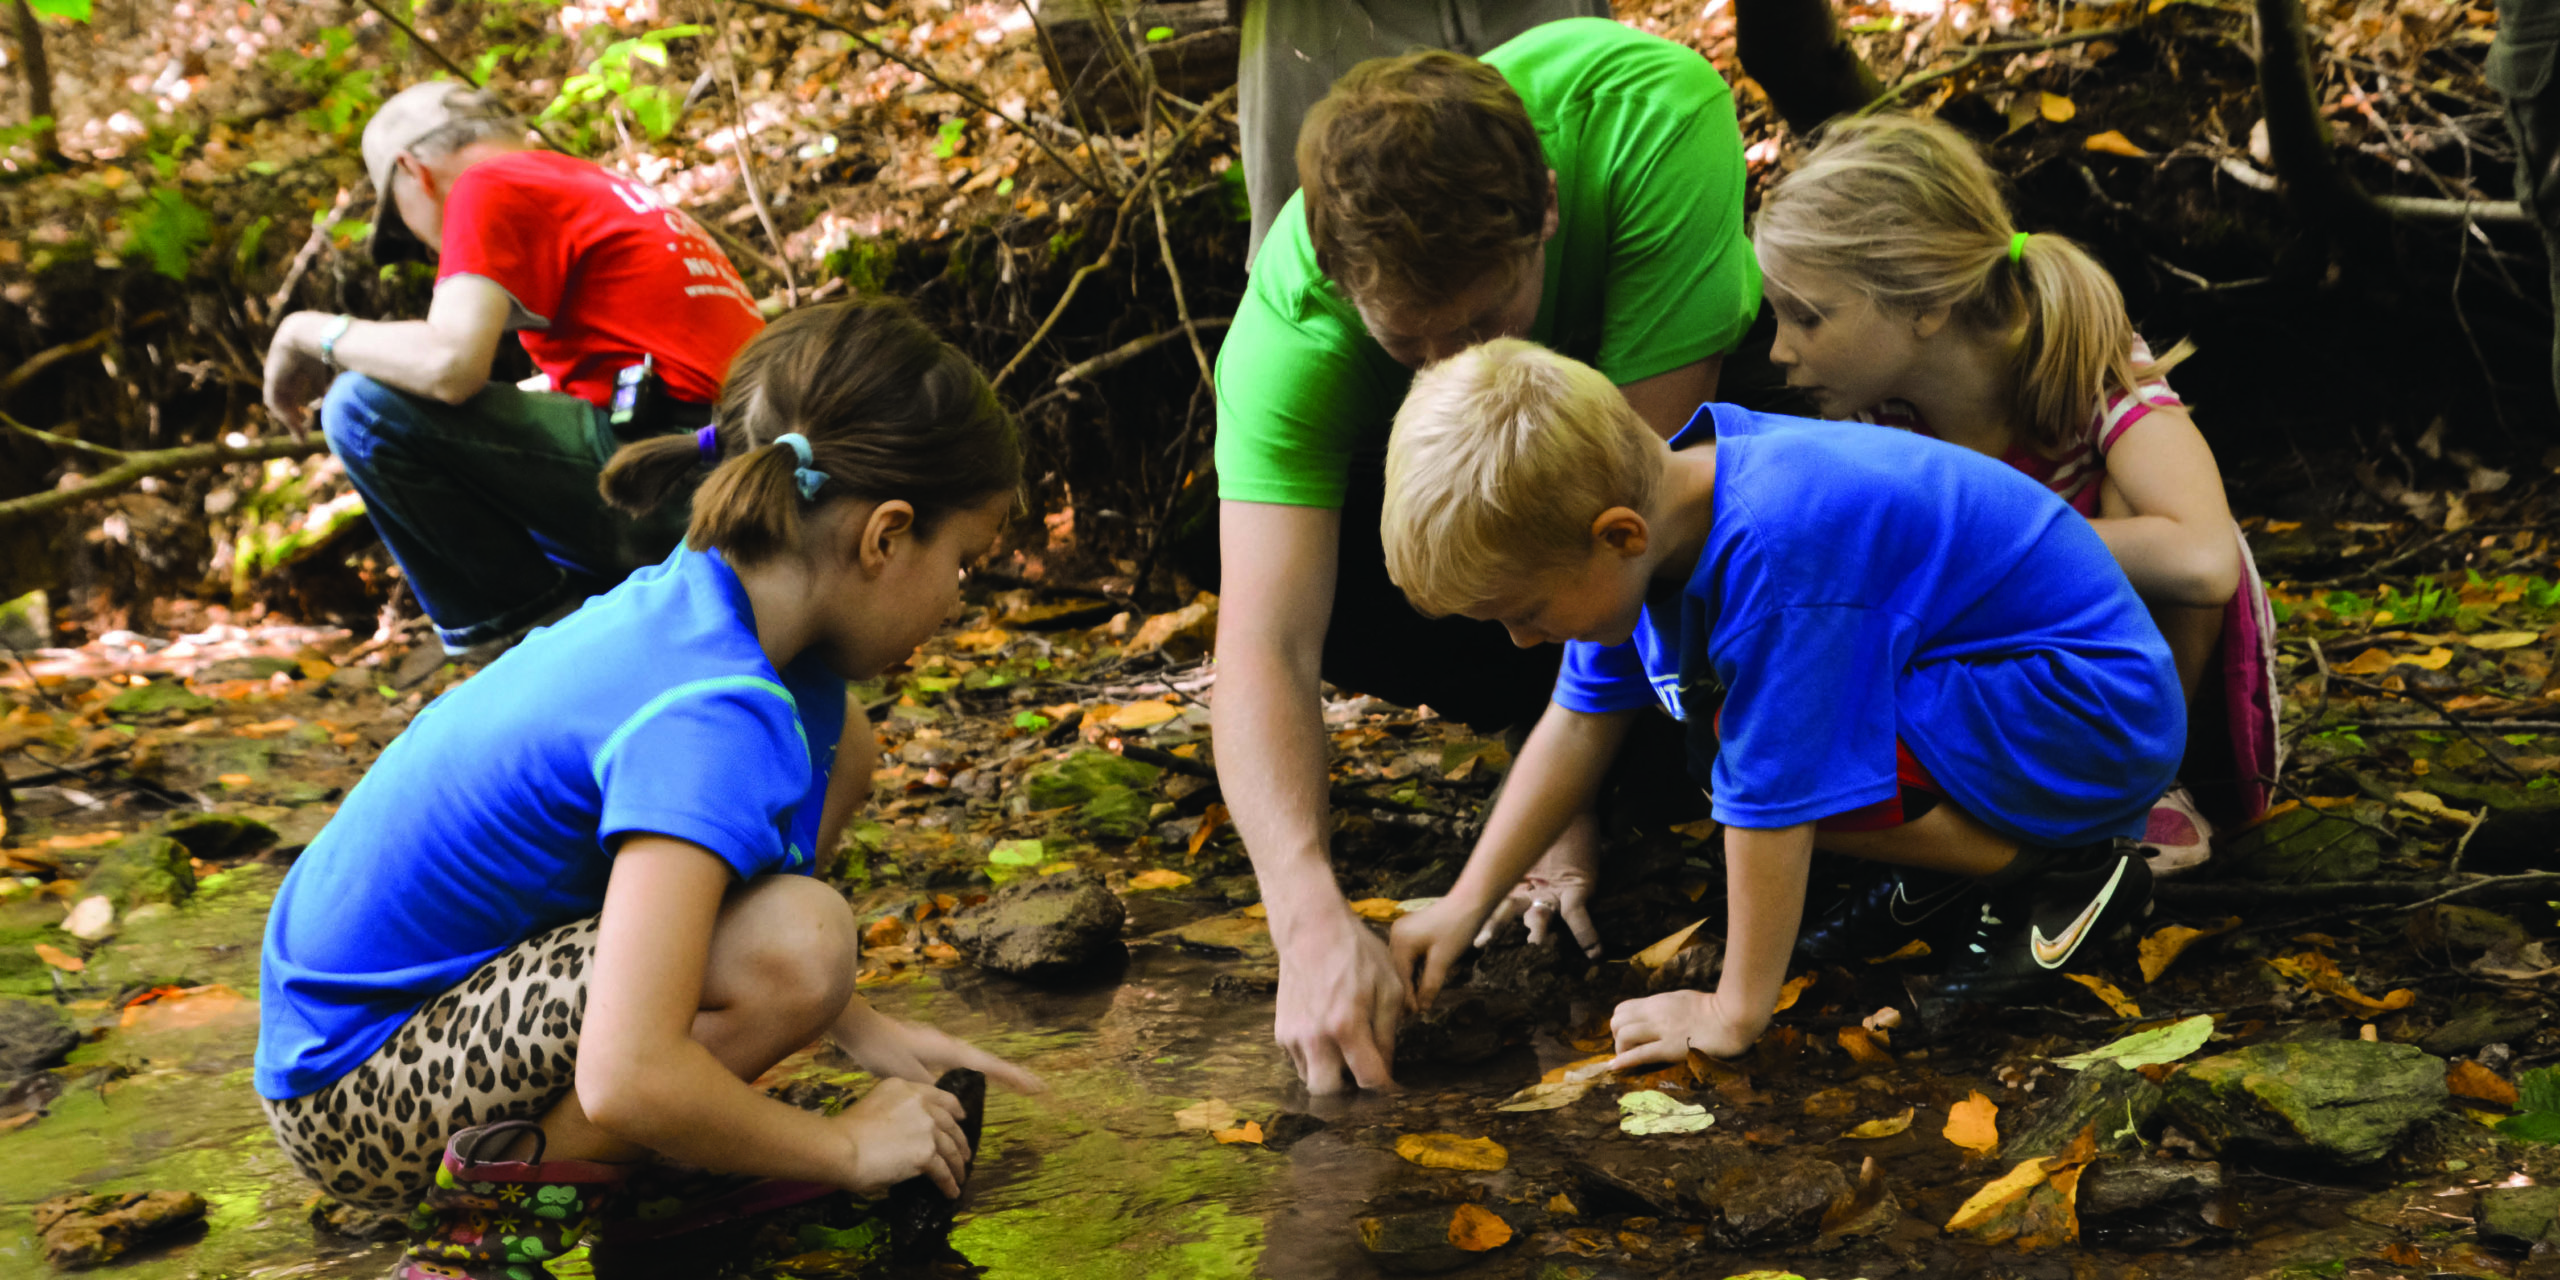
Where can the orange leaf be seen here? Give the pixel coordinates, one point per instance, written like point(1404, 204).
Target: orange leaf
point(887, 931)
point(2371, 662)
point(1250, 1132)
point(941, 953)
point(1382, 910)
point(1974, 1124)
point(59, 958)
point(1158, 879)
point(1862, 1047)
point(1660, 953)
point(174, 1009)
point(1580, 1070)
point(2321, 974)
point(1998, 1194)
point(1476, 1229)
point(1212, 818)
point(1793, 991)
point(2114, 143)
point(1912, 950)
point(2107, 991)
point(1142, 715)
point(2468, 1079)
point(1449, 1151)
point(2055, 107)
point(2163, 948)
point(85, 840)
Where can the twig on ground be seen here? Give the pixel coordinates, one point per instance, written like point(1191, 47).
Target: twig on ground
point(1976, 53)
point(60, 441)
point(302, 258)
point(746, 156)
point(1181, 300)
point(1116, 357)
point(2453, 861)
point(155, 462)
point(49, 357)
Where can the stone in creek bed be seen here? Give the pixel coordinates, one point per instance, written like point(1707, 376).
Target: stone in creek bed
point(2344, 1101)
point(33, 1035)
point(2518, 1218)
point(81, 1230)
point(2153, 1204)
point(2106, 1096)
point(1783, 1204)
point(1412, 1244)
point(1044, 927)
point(1290, 1129)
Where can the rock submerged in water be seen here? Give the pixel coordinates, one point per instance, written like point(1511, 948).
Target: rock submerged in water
point(1111, 794)
point(2519, 1218)
point(1412, 1244)
point(2153, 1204)
point(33, 1035)
point(1043, 927)
point(81, 1230)
point(2345, 1101)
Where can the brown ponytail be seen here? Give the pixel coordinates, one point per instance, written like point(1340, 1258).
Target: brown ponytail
point(1905, 210)
point(889, 410)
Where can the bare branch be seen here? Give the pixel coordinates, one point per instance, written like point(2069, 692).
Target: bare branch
point(154, 462)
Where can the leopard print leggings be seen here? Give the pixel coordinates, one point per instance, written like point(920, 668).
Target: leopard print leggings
point(501, 1045)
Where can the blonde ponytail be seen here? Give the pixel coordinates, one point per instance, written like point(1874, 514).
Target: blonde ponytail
point(1906, 211)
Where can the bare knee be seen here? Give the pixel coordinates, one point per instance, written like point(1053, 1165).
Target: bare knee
point(785, 948)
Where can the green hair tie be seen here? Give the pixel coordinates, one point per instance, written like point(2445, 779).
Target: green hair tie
point(2017, 246)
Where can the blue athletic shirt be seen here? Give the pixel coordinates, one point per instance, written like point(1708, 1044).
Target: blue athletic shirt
point(1860, 584)
point(652, 708)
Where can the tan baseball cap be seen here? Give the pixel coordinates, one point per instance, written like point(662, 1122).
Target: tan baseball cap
point(409, 116)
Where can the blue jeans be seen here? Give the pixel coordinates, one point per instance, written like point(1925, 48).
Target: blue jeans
point(490, 506)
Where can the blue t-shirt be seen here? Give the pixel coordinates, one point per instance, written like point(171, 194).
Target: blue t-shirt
point(651, 709)
point(1861, 584)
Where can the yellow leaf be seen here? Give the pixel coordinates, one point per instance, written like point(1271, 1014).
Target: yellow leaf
point(1382, 910)
point(1998, 1194)
point(235, 781)
point(1212, 1115)
point(1884, 1128)
point(1862, 1047)
point(1562, 1203)
point(2163, 948)
point(1256, 912)
point(85, 840)
point(1158, 879)
point(2321, 974)
point(2055, 107)
point(1912, 950)
point(1974, 1124)
point(1449, 1151)
point(2432, 660)
point(2371, 662)
point(1249, 1132)
point(2114, 143)
point(59, 958)
point(1476, 1229)
point(2432, 805)
point(1547, 1095)
point(1793, 991)
point(2116, 999)
point(1660, 953)
point(2501, 639)
point(987, 638)
point(1142, 715)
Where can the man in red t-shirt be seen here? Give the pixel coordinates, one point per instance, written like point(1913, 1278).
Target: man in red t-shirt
point(486, 493)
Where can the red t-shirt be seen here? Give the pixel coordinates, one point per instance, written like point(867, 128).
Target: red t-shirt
point(605, 272)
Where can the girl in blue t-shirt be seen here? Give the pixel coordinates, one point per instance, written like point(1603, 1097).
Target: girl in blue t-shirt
point(567, 916)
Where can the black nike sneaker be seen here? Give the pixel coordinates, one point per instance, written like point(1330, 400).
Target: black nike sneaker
point(2032, 925)
point(1889, 909)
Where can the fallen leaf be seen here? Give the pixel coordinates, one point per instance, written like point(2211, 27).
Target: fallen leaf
point(887, 931)
point(2055, 107)
point(2114, 143)
point(1862, 1047)
point(2468, 1079)
point(1018, 853)
point(2107, 991)
point(1547, 1095)
point(2371, 662)
point(85, 840)
point(93, 919)
point(983, 639)
point(19, 1121)
point(941, 953)
point(1158, 879)
point(59, 958)
point(1884, 1128)
point(1212, 1115)
point(1256, 912)
point(1998, 1194)
point(1974, 1124)
point(1660, 953)
point(1580, 1069)
point(1142, 715)
point(181, 1008)
point(1449, 1151)
point(235, 781)
point(1211, 818)
point(2432, 660)
point(1916, 949)
point(2320, 973)
point(1562, 1203)
point(1250, 1132)
point(1477, 1229)
point(1793, 991)
point(2163, 948)
point(1650, 1112)
point(1382, 910)
point(2502, 639)
point(2433, 806)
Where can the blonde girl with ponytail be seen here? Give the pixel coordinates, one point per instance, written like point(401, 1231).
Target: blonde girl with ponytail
point(522, 981)
point(1905, 295)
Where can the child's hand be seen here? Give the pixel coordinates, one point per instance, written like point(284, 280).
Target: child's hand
point(1557, 888)
point(899, 1130)
point(1436, 936)
point(886, 1046)
point(1664, 1028)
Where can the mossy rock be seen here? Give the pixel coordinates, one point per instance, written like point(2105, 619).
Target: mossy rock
point(22, 972)
point(2306, 844)
point(33, 1035)
point(1116, 812)
point(1083, 776)
point(2344, 1101)
point(2118, 1103)
point(160, 697)
point(142, 870)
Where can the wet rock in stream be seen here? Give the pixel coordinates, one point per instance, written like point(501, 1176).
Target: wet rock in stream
point(2346, 1102)
point(2519, 1218)
point(1779, 1201)
point(33, 1035)
point(1412, 1244)
point(143, 870)
point(2153, 1204)
point(2116, 1102)
point(81, 1230)
point(1047, 928)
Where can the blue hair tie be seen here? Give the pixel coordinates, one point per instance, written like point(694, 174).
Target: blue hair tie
point(808, 476)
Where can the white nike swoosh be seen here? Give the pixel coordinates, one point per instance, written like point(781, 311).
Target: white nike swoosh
point(2052, 953)
point(1928, 905)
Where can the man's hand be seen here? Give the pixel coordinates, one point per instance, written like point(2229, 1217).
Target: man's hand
point(1433, 937)
point(1559, 885)
point(296, 376)
point(1340, 998)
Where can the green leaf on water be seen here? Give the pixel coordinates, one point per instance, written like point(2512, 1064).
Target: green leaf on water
point(1649, 1111)
point(1032, 720)
point(1018, 853)
point(2146, 1048)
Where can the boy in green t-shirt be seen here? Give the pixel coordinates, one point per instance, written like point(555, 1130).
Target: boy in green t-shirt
point(1580, 186)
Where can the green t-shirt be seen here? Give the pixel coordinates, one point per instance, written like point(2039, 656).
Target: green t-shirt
point(1649, 269)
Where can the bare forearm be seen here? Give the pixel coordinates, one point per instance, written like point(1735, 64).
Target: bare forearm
point(683, 1104)
point(2174, 562)
point(1764, 893)
point(1273, 764)
point(1557, 777)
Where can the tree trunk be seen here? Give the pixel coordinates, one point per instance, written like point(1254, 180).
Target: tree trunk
point(39, 86)
point(2323, 194)
point(1794, 48)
